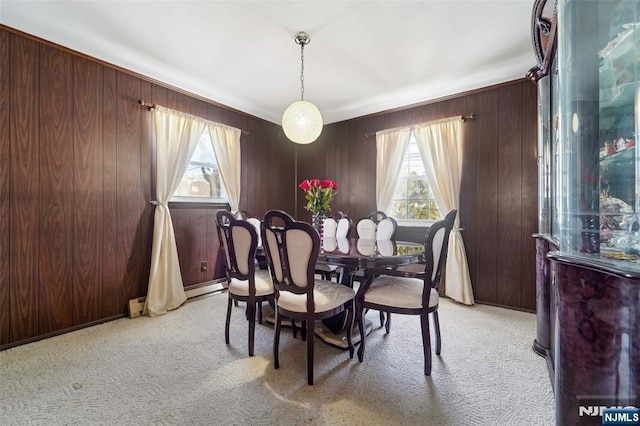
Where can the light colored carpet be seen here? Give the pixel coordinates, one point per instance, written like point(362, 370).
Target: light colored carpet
point(176, 370)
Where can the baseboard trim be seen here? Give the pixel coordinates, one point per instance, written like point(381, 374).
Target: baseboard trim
point(136, 306)
point(60, 332)
point(201, 289)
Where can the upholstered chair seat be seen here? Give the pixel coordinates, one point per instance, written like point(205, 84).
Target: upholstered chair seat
point(263, 283)
point(399, 292)
point(327, 296)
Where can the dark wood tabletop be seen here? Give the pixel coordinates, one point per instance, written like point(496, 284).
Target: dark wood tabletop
point(356, 253)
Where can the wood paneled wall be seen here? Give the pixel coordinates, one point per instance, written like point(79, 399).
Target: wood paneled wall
point(76, 177)
point(76, 167)
point(498, 197)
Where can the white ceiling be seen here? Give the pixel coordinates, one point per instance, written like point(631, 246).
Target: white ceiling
point(364, 56)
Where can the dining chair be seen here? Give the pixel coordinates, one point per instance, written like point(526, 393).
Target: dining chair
point(376, 226)
point(239, 241)
point(292, 250)
point(410, 292)
point(338, 225)
point(366, 229)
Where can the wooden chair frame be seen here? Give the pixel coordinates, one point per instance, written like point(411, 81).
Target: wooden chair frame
point(225, 224)
point(275, 244)
point(430, 279)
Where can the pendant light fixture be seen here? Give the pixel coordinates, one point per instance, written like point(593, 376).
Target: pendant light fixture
point(302, 121)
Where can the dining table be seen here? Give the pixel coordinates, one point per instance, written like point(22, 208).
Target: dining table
point(350, 255)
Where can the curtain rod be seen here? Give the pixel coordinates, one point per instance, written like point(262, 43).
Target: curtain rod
point(151, 106)
point(462, 117)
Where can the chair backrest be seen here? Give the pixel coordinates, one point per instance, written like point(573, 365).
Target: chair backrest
point(329, 227)
point(366, 229)
point(436, 243)
point(292, 251)
point(246, 216)
point(241, 214)
point(238, 240)
point(344, 226)
point(337, 225)
point(377, 216)
point(377, 226)
point(386, 229)
point(257, 224)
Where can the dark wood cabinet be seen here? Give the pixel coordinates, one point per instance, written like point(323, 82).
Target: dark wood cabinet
point(596, 348)
point(543, 345)
point(588, 245)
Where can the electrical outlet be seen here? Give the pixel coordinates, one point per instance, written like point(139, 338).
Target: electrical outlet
point(203, 266)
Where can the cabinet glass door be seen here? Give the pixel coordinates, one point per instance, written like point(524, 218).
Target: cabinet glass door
point(544, 157)
point(618, 119)
point(556, 150)
point(599, 167)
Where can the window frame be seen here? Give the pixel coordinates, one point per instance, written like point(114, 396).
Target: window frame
point(417, 223)
point(203, 201)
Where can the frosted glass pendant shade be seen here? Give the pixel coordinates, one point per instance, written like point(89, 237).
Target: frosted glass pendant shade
point(302, 122)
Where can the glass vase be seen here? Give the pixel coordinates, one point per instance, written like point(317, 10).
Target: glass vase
point(317, 221)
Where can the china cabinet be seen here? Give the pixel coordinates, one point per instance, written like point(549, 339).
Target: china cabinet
point(588, 245)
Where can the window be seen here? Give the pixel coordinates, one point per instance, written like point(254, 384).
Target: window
point(202, 181)
point(412, 198)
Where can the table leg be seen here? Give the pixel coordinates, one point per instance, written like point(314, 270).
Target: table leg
point(339, 340)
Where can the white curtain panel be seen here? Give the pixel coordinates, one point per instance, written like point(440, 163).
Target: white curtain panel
point(391, 147)
point(226, 146)
point(440, 145)
point(177, 136)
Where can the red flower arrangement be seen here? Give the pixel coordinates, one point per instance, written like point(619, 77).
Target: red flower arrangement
point(318, 194)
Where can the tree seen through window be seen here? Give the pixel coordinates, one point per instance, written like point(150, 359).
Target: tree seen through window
point(202, 178)
point(412, 198)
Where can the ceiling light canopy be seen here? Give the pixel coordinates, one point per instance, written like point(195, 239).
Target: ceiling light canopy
point(302, 121)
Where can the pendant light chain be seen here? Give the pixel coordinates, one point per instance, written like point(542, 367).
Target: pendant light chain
point(301, 121)
point(302, 71)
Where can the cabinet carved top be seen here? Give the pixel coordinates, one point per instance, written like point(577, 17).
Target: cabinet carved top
point(543, 37)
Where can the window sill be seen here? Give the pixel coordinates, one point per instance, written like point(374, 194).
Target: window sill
point(199, 204)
